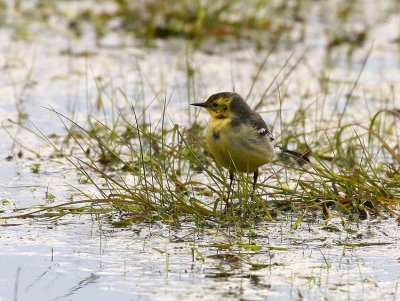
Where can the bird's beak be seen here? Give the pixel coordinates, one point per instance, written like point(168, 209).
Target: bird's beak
point(199, 104)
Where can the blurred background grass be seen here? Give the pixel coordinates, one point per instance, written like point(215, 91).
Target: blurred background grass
point(258, 22)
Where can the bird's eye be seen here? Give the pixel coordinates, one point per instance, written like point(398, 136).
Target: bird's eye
point(215, 105)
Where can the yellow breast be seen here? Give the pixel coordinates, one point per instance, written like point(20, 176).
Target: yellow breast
point(237, 149)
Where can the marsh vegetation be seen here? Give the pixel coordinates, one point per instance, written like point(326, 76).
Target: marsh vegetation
point(98, 96)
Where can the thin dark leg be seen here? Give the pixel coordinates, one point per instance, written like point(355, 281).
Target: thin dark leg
point(231, 178)
point(255, 177)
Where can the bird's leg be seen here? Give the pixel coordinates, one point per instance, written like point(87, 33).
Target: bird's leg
point(228, 204)
point(231, 178)
point(255, 177)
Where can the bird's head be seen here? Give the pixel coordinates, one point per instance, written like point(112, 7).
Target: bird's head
point(223, 105)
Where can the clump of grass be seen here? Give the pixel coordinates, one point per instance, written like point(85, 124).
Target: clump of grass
point(353, 173)
point(148, 172)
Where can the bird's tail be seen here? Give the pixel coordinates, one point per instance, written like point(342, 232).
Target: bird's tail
point(287, 156)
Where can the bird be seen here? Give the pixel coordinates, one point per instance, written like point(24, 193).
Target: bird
point(238, 138)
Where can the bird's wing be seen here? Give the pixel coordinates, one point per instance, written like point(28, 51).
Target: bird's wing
point(260, 126)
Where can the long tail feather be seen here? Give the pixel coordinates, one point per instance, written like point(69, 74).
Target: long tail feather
point(300, 158)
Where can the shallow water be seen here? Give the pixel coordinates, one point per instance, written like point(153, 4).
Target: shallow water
point(77, 258)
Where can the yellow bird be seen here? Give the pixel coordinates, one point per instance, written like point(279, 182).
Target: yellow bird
point(237, 136)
